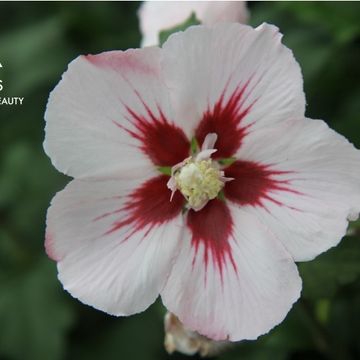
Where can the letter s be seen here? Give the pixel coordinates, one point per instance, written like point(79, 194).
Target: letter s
point(1, 86)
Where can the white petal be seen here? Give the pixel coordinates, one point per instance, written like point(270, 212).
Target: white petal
point(155, 16)
point(209, 142)
point(324, 176)
point(239, 304)
point(118, 271)
point(205, 154)
point(206, 65)
point(89, 109)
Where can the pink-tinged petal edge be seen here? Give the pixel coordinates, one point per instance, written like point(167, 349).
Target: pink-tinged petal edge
point(163, 142)
point(122, 60)
point(114, 242)
point(93, 94)
point(49, 246)
point(147, 207)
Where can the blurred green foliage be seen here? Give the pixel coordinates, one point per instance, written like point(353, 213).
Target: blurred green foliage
point(40, 321)
point(164, 34)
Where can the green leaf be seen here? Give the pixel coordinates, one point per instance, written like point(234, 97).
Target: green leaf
point(164, 34)
point(339, 20)
point(354, 227)
point(291, 335)
point(25, 193)
point(136, 337)
point(194, 146)
point(227, 161)
point(33, 315)
point(322, 310)
point(29, 57)
point(221, 195)
point(339, 266)
point(165, 170)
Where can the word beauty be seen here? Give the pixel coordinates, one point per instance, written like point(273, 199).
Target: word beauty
point(11, 100)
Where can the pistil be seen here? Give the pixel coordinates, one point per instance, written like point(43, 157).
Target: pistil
point(199, 178)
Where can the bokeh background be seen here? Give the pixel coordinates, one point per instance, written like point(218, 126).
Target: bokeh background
point(40, 321)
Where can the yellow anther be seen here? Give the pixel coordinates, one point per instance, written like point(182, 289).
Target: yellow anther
point(199, 182)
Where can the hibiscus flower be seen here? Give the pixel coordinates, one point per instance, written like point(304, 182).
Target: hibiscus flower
point(155, 16)
point(197, 177)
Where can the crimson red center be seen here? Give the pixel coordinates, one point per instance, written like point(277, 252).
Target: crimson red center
point(166, 145)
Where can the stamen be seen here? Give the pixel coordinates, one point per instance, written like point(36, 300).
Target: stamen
point(198, 178)
point(199, 182)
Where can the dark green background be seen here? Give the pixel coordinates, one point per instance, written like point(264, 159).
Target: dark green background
point(38, 320)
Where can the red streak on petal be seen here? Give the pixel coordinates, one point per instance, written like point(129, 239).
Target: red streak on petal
point(212, 227)
point(225, 120)
point(253, 183)
point(148, 206)
point(163, 142)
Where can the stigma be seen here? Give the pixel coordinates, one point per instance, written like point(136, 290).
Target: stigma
point(198, 177)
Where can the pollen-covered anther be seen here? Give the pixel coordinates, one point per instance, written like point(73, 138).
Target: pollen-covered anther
point(198, 177)
point(199, 182)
